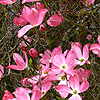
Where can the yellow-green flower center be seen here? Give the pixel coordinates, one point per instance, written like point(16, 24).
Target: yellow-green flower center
point(63, 77)
point(63, 66)
point(45, 72)
point(43, 92)
point(75, 92)
point(81, 60)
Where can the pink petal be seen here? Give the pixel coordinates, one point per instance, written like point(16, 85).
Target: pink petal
point(65, 52)
point(24, 1)
point(95, 46)
point(1, 69)
point(46, 86)
point(19, 21)
point(42, 13)
point(57, 49)
point(71, 59)
point(21, 94)
point(26, 58)
point(74, 82)
point(75, 97)
point(5, 2)
point(98, 39)
point(33, 17)
point(54, 20)
point(70, 71)
point(36, 93)
point(86, 51)
point(26, 12)
point(18, 59)
point(23, 30)
point(77, 51)
point(63, 90)
point(7, 95)
point(84, 86)
point(58, 60)
point(15, 67)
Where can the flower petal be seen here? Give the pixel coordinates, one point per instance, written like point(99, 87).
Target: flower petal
point(63, 90)
point(23, 30)
point(15, 67)
point(86, 51)
point(84, 86)
point(75, 97)
point(21, 94)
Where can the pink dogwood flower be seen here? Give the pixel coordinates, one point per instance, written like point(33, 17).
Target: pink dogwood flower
point(96, 47)
point(65, 63)
point(21, 65)
point(1, 71)
point(34, 16)
point(82, 56)
point(74, 88)
point(55, 20)
point(87, 2)
point(7, 2)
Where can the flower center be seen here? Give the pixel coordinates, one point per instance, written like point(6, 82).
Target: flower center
point(82, 59)
point(75, 92)
point(63, 66)
point(45, 72)
point(43, 92)
point(63, 77)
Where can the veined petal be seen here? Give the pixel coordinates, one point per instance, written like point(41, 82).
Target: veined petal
point(71, 59)
point(33, 16)
point(16, 67)
point(21, 94)
point(18, 59)
point(84, 86)
point(54, 20)
point(24, 1)
point(26, 12)
point(74, 82)
point(95, 46)
point(42, 13)
point(86, 51)
point(36, 93)
point(5, 2)
point(23, 30)
point(58, 60)
point(7, 95)
point(75, 97)
point(63, 90)
point(98, 39)
point(77, 51)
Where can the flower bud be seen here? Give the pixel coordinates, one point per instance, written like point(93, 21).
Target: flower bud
point(33, 53)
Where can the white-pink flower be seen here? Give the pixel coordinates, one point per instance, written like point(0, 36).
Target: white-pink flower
point(34, 16)
point(82, 56)
point(74, 88)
